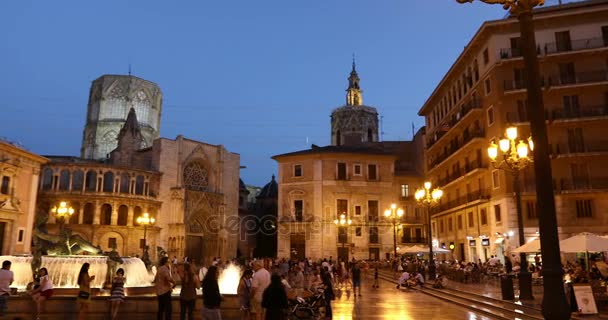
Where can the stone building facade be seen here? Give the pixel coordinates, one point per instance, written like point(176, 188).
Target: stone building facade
point(19, 176)
point(357, 177)
point(110, 99)
point(191, 188)
point(483, 93)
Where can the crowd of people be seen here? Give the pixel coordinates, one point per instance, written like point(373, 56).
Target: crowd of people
point(267, 285)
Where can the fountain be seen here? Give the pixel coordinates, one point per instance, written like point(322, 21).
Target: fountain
point(63, 270)
point(229, 279)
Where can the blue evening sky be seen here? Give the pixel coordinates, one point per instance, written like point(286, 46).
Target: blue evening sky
point(258, 76)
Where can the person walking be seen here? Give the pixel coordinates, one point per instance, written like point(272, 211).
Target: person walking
point(117, 293)
point(187, 296)
point(43, 292)
point(211, 295)
point(375, 284)
point(328, 292)
point(6, 279)
point(356, 274)
point(244, 294)
point(259, 283)
point(164, 283)
point(84, 292)
point(274, 299)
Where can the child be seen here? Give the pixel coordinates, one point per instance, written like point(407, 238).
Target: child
point(375, 284)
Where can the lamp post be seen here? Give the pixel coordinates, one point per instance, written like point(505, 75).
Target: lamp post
point(554, 304)
point(394, 214)
point(428, 198)
point(145, 220)
point(63, 212)
point(515, 159)
point(343, 223)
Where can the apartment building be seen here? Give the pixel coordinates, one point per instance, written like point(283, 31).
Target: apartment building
point(483, 93)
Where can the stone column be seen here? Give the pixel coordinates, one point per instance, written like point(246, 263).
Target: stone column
point(130, 216)
point(81, 212)
point(114, 216)
point(96, 216)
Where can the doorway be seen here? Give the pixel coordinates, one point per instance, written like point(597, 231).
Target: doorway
point(461, 247)
point(298, 246)
point(195, 248)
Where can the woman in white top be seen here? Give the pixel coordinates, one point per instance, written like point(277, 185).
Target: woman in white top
point(44, 290)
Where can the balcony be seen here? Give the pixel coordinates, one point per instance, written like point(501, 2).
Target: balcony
point(584, 77)
point(479, 195)
point(550, 48)
point(408, 240)
point(582, 184)
point(465, 109)
point(518, 84)
point(578, 113)
point(585, 148)
point(574, 45)
point(454, 147)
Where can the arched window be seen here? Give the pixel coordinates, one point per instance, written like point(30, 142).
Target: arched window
point(74, 217)
point(195, 177)
point(338, 138)
point(91, 181)
point(106, 214)
point(136, 213)
point(77, 180)
point(124, 182)
point(123, 215)
point(108, 182)
point(64, 180)
point(139, 185)
point(370, 136)
point(88, 213)
point(47, 179)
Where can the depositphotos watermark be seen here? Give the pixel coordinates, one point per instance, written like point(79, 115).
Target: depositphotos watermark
point(252, 225)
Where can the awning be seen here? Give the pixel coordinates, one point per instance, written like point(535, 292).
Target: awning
point(499, 240)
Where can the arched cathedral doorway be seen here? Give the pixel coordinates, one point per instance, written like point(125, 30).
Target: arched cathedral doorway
point(201, 214)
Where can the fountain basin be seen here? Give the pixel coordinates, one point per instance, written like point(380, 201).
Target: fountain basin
point(61, 307)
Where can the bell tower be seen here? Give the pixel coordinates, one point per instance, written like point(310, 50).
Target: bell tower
point(354, 123)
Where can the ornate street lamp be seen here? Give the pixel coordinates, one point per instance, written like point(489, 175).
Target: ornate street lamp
point(145, 220)
point(62, 212)
point(394, 214)
point(515, 159)
point(343, 223)
point(428, 198)
point(554, 304)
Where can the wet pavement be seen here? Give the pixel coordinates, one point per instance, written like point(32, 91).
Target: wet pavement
point(387, 302)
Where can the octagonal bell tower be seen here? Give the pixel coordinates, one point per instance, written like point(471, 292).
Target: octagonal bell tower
point(110, 99)
point(354, 122)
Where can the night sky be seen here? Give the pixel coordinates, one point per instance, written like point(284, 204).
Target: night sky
point(258, 76)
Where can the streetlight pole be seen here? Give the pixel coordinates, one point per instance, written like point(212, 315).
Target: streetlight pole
point(554, 304)
point(394, 214)
point(145, 220)
point(428, 198)
point(342, 223)
point(515, 159)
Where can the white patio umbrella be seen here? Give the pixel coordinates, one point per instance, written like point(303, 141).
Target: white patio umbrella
point(532, 246)
point(413, 249)
point(584, 242)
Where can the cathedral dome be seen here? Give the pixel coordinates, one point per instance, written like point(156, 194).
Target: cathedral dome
point(270, 190)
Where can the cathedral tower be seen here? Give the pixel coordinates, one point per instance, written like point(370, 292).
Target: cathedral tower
point(354, 122)
point(110, 99)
